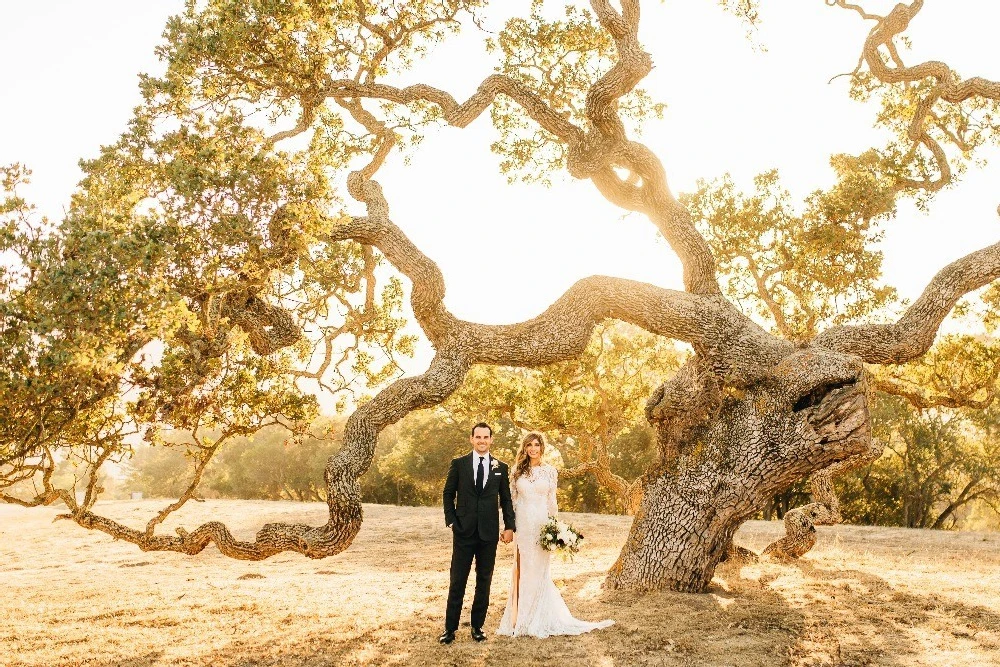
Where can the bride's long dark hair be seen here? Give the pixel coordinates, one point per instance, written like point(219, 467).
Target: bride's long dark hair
point(521, 461)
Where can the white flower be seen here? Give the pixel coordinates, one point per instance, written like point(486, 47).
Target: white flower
point(494, 464)
point(564, 536)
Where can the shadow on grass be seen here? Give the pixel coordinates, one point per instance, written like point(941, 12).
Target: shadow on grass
point(148, 659)
point(748, 626)
point(849, 618)
point(876, 624)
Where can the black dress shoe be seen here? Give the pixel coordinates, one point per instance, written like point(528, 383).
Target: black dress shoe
point(477, 634)
point(447, 637)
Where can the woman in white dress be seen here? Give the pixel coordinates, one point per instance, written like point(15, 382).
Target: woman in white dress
point(534, 606)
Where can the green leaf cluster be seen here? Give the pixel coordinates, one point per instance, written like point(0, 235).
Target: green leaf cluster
point(559, 59)
point(799, 270)
point(936, 467)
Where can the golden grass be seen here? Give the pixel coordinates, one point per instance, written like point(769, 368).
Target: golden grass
point(863, 596)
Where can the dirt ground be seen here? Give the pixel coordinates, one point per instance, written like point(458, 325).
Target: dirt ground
point(863, 596)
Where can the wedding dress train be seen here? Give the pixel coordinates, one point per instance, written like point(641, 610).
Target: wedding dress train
point(535, 607)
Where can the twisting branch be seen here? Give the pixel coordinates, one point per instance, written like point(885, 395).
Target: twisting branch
point(951, 89)
point(921, 398)
point(268, 327)
point(205, 456)
point(948, 87)
point(306, 119)
point(48, 494)
point(629, 493)
point(767, 296)
point(460, 115)
point(632, 67)
point(607, 146)
point(558, 333)
point(386, 137)
point(911, 336)
point(653, 198)
point(590, 155)
point(846, 5)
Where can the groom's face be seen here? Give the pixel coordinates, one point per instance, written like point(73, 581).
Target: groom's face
point(481, 440)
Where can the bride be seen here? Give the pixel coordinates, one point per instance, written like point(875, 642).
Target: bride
point(534, 606)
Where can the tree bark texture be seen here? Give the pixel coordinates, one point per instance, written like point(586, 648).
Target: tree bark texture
point(723, 466)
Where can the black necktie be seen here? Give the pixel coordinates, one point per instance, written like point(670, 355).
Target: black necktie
point(479, 475)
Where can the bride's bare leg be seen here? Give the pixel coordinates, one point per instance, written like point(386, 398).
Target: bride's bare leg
point(517, 584)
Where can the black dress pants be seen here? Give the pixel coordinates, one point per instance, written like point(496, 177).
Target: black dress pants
point(464, 550)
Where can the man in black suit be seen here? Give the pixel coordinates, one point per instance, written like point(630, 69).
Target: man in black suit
point(477, 483)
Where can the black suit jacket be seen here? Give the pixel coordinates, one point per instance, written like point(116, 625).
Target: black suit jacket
point(469, 511)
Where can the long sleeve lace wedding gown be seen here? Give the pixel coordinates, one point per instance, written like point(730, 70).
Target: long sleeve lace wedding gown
point(535, 606)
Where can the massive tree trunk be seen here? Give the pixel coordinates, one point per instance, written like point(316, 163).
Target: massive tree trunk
point(723, 462)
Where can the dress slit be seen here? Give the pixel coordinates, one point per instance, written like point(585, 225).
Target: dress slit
point(516, 585)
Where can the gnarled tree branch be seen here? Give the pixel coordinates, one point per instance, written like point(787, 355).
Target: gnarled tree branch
point(912, 335)
point(948, 87)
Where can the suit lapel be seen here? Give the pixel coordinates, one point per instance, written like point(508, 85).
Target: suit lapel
point(489, 474)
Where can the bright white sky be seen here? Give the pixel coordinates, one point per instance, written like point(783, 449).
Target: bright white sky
point(69, 85)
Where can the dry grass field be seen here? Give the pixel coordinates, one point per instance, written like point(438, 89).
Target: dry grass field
point(864, 596)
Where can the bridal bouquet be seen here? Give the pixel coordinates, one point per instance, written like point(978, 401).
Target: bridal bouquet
point(560, 536)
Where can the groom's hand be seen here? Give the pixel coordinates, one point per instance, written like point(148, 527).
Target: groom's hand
point(507, 537)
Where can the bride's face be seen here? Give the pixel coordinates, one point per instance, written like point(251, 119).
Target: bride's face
point(534, 451)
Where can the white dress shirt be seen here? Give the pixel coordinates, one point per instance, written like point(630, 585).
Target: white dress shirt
point(475, 466)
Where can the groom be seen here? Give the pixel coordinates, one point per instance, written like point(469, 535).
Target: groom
point(476, 484)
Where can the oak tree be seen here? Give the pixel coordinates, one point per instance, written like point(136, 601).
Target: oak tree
point(209, 264)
